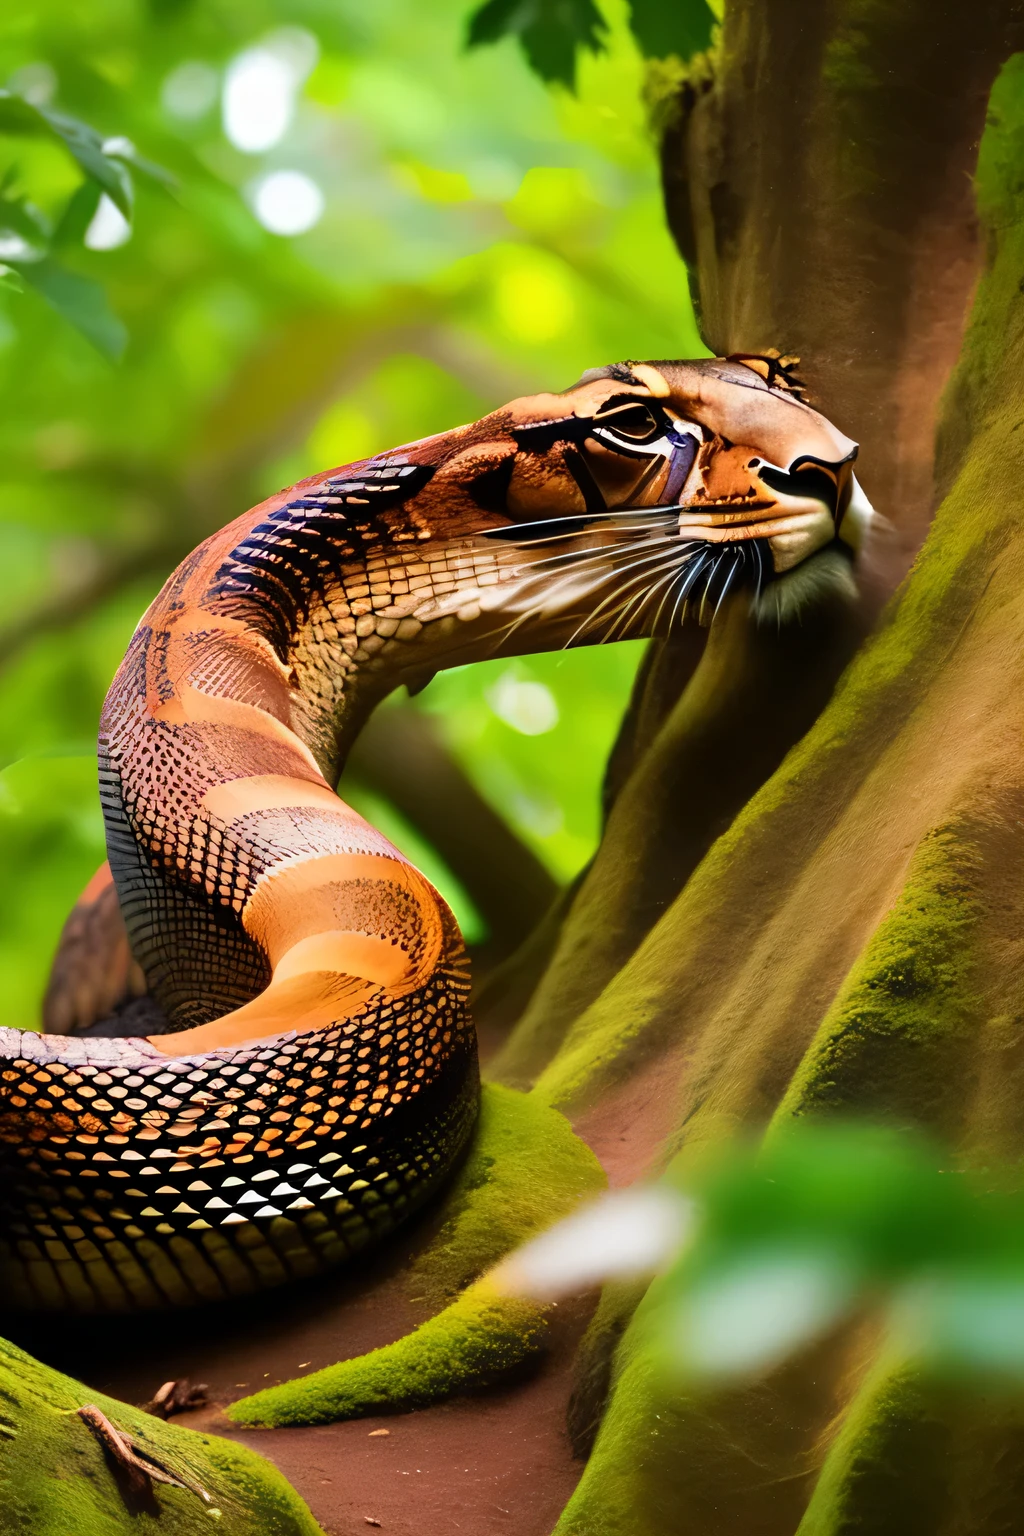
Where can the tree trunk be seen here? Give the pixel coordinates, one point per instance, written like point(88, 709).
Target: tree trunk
point(838, 927)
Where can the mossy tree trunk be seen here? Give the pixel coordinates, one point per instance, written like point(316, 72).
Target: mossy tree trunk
point(812, 904)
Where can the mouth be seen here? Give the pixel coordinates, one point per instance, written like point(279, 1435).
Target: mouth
point(664, 562)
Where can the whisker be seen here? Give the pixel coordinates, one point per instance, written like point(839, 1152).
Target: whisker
point(591, 617)
point(668, 583)
point(670, 587)
point(739, 560)
point(621, 622)
point(607, 549)
point(687, 583)
point(707, 587)
point(511, 529)
point(603, 552)
point(620, 618)
point(616, 567)
point(760, 566)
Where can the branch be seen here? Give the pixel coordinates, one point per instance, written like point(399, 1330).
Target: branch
point(400, 754)
point(63, 609)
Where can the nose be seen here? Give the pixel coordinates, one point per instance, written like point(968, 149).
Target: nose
point(808, 479)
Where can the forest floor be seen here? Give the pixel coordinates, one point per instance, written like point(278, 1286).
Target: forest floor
point(491, 1465)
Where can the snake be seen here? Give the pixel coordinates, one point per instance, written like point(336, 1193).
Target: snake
point(315, 1079)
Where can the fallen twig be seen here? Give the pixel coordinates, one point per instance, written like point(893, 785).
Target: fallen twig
point(139, 1466)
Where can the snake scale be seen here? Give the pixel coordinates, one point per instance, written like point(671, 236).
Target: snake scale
point(318, 1077)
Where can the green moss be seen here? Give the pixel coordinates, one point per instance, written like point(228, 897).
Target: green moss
point(815, 1451)
point(524, 1170)
point(595, 1360)
point(914, 1457)
point(481, 1338)
point(900, 1036)
point(716, 1463)
point(880, 1473)
point(55, 1479)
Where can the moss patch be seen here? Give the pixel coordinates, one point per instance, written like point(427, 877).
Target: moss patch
point(480, 1338)
point(55, 1479)
point(904, 1028)
point(900, 1036)
point(524, 1170)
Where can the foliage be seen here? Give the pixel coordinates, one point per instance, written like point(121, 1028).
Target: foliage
point(777, 1243)
point(824, 1217)
point(552, 32)
point(479, 238)
point(30, 245)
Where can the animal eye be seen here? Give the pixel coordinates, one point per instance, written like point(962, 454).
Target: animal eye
point(634, 423)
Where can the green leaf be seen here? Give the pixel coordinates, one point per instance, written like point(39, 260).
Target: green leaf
point(78, 215)
point(81, 302)
point(664, 27)
point(21, 117)
point(120, 148)
point(963, 1322)
point(550, 32)
point(746, 1315)
point(24, 235)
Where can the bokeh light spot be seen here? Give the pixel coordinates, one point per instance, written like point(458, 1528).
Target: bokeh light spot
point(260, 89)
point(528, 707)
point(190, 90)
point(288, 202)
point(109, 228)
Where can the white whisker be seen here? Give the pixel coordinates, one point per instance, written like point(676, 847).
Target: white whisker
point(617, 592)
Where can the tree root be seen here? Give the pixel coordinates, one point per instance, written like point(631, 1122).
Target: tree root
point(524, 1170)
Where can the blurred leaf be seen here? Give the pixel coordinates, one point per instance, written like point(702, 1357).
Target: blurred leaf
point(24, 235)
point(120, 148)
point(79, 300)
point(78, 215)
point(18, 116)
point(549, 32)
point(963, 1323)
point(743, 1317)
point(665, 27)
point(859, 1189)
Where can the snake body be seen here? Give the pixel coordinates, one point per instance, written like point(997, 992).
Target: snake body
point(320, 1079)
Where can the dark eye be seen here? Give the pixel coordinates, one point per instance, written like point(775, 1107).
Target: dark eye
point(633, 423)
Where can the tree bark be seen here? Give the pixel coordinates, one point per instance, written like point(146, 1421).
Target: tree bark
point(836, 928)
point(818, 182)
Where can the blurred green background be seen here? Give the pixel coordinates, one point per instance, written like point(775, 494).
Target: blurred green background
point(371, 235)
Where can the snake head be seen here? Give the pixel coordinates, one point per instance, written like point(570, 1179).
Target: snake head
point(670, 482)
point(644, 491)
point(737, 457)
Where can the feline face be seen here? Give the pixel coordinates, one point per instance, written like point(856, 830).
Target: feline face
point(645, 491)
point(737, 460)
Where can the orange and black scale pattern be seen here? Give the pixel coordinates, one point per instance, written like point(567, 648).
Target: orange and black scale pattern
point(311, 1078)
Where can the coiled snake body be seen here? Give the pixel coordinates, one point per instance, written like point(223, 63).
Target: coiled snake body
point(321, 1080)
